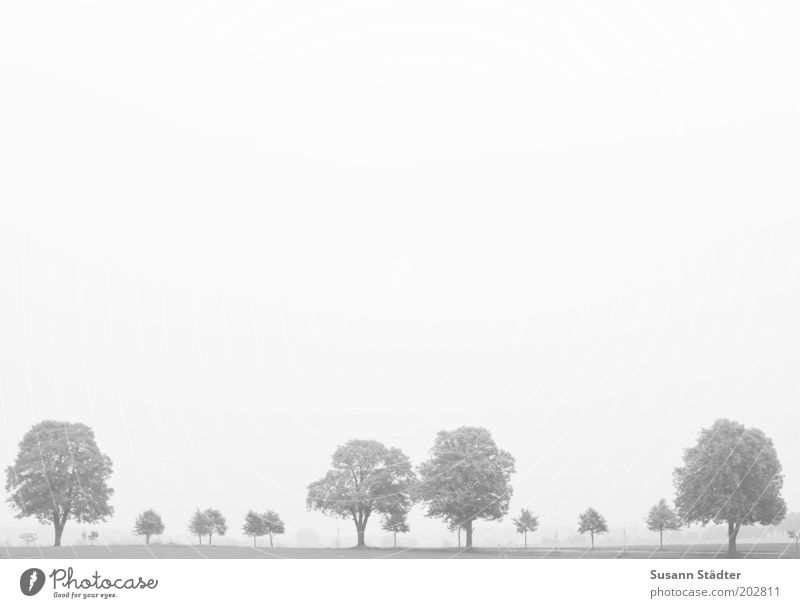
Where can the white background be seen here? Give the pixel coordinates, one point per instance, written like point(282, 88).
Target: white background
point(234, 235)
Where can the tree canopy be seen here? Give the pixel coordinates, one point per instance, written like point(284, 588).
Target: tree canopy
point(731, 475)
point(592, 522)
point(526, 522)
point(200, 525)
point(148, 524)
point(661, 517)
point(60, 474)
point(395, 522)
point(466, 478)
point(365, 477)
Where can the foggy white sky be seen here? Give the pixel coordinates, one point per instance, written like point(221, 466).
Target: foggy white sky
point(236, 234)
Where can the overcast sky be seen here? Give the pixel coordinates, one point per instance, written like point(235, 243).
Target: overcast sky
point(234, 235)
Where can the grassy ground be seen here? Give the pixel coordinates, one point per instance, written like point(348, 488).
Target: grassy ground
point(759, 551)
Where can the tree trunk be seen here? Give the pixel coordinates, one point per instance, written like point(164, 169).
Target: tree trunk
point(254, 540)
point(146, 539)
point(59, 532)
point(459, 537)
point(591, 533)
point(525, 534)
point(360, 532)
point(209, 539)
point(270, 541)
point(733, 530)
point(200, 538)
point(468, 529)
point(660, 539)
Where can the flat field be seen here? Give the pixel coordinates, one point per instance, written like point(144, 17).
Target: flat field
point(155, 551)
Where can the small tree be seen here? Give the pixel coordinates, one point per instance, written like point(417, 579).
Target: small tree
point(148, 524)
point(466, 478)
point(592, 522)
point(732, 475)
point(795, 536)
point(526, 522)
point(273, 525)
point(93, 536)
point(395, 522)
point(199, 526)
point(454, 526)
point(789, 523)
point(28, 538)
point(254, 525)
point(365, 477)
point(661, 517)
point(216, 523)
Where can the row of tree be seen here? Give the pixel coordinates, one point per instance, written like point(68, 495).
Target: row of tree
point(731, 476)
point(660, 518)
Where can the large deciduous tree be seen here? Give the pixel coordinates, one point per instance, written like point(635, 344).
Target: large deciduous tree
point(731, 476)
point(148, 524)
point(466, 478)
point(60, 474)
point(592, 522)
point(365, 477)
point(661, 517)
